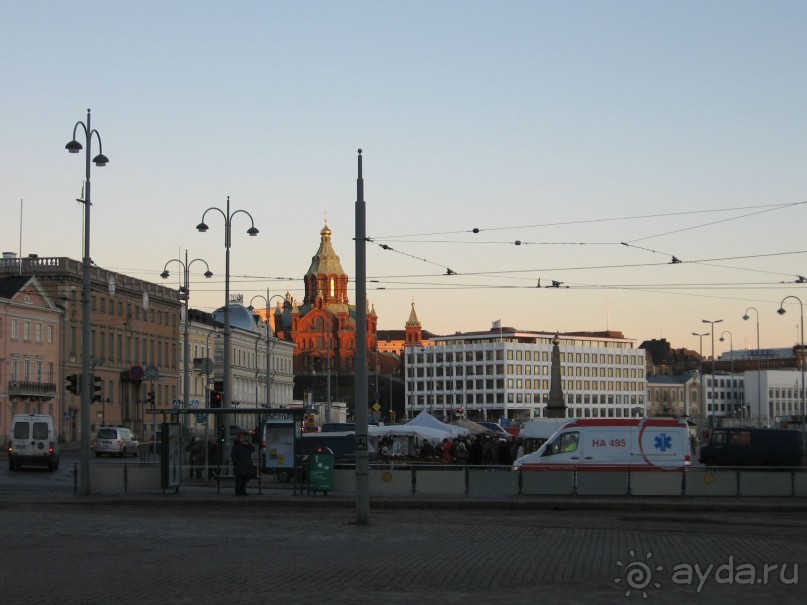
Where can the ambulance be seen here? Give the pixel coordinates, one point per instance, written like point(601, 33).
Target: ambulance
point(613, 444)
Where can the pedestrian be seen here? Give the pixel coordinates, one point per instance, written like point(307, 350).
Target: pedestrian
point(196, 451)
point(241, 455)
point(445, 451)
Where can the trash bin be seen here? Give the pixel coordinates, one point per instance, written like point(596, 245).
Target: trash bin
point(320, 470)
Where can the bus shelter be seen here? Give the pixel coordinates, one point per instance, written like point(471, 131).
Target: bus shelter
point(194, 444)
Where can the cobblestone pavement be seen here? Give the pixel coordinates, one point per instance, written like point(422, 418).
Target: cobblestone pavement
point(257, 550)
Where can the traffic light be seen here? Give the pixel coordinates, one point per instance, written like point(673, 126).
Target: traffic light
point(96, 388)
point(73, 384)
point(216, 394)
point(150, 397)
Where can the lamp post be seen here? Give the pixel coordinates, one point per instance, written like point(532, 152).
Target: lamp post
point(716, 321)
point(185, 293)
point(100, 160)
point(703, 398)
point(268, 300)
point(226, 399)
point(759, 367)
point(782, 311)
point(731, 343)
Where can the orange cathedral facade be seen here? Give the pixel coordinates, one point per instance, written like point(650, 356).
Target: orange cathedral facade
point(323, 326)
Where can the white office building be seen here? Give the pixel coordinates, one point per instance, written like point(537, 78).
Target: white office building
point(506, 374)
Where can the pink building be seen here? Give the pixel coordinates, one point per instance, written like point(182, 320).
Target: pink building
point(31, 379)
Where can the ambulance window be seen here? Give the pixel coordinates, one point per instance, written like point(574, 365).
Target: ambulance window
point(568, 442)
point(21, 430)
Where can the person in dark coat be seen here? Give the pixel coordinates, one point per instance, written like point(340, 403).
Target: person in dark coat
point(241, 455)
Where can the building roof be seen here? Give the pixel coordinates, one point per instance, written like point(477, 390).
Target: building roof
point(240, 317)
point(9, 286)
point(325, 261)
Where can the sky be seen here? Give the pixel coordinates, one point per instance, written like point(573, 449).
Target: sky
point(608, 138)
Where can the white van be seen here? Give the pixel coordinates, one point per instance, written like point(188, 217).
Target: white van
point(613, 444)
point(33, 442)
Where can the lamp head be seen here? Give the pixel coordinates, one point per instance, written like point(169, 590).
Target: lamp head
point(164, 274)
point(722, 339)
point(208, 274)
point(201, 227)
point(745, 317)
point(100, 160)
point(781, 311)
point(73, 146)
point(252, 231)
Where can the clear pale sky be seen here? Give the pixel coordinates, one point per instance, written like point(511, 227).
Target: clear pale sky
point(678, 128)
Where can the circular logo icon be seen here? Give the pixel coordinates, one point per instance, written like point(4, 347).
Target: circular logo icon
point(638, 575)
point(386, 476)
point(708, 478)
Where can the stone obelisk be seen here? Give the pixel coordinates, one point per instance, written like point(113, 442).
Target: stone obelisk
point(556, 408)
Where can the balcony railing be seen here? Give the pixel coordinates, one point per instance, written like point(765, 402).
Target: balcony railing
point(31, 390)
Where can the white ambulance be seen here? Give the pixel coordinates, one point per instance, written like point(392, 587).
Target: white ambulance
point(613, 444)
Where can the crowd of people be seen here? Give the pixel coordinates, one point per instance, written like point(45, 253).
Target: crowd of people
point(484, 449)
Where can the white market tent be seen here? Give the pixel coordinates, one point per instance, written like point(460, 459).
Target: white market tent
point(424, 419)
point(404, 430)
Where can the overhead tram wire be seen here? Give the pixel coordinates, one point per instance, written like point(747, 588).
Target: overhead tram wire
point(477, 230)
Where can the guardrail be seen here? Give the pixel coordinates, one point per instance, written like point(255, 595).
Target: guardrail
point(502, 482)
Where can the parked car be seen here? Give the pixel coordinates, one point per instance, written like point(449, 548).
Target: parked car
point(33, 442)
point(115, 441)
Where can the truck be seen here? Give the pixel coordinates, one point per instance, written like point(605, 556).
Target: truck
point(747, 446)
point(613, 444)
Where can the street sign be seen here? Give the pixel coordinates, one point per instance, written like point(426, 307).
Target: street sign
point(376, 407)
point(195, 403)
point(66, 415)
point(152, 372)
point(200, 419)
point(176, 403)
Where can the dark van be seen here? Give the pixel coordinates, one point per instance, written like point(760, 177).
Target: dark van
point(752, 447)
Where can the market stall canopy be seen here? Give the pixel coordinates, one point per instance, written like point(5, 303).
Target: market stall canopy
point(472, 427)
point(406, 430)
point(429, 421)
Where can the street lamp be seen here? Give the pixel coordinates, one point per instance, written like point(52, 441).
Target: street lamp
point(759, 366)
point(227, 390)
point(782, 311)
point(185, 294)
point(226, 398)
point(702, 391)
point(731, 343)
point(100, 160)
point(714, 404)
point(268, 300)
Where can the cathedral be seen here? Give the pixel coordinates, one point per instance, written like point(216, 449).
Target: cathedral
point(323, 326)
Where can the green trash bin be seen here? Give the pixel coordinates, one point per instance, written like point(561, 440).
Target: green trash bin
point(320, 471)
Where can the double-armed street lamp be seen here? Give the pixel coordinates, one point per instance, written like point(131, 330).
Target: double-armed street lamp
point(759, 366)
point(268, 300)
point(185, 293)
point(714, 402)
point(252, 231)
point(782, 311)
point(86, 393)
